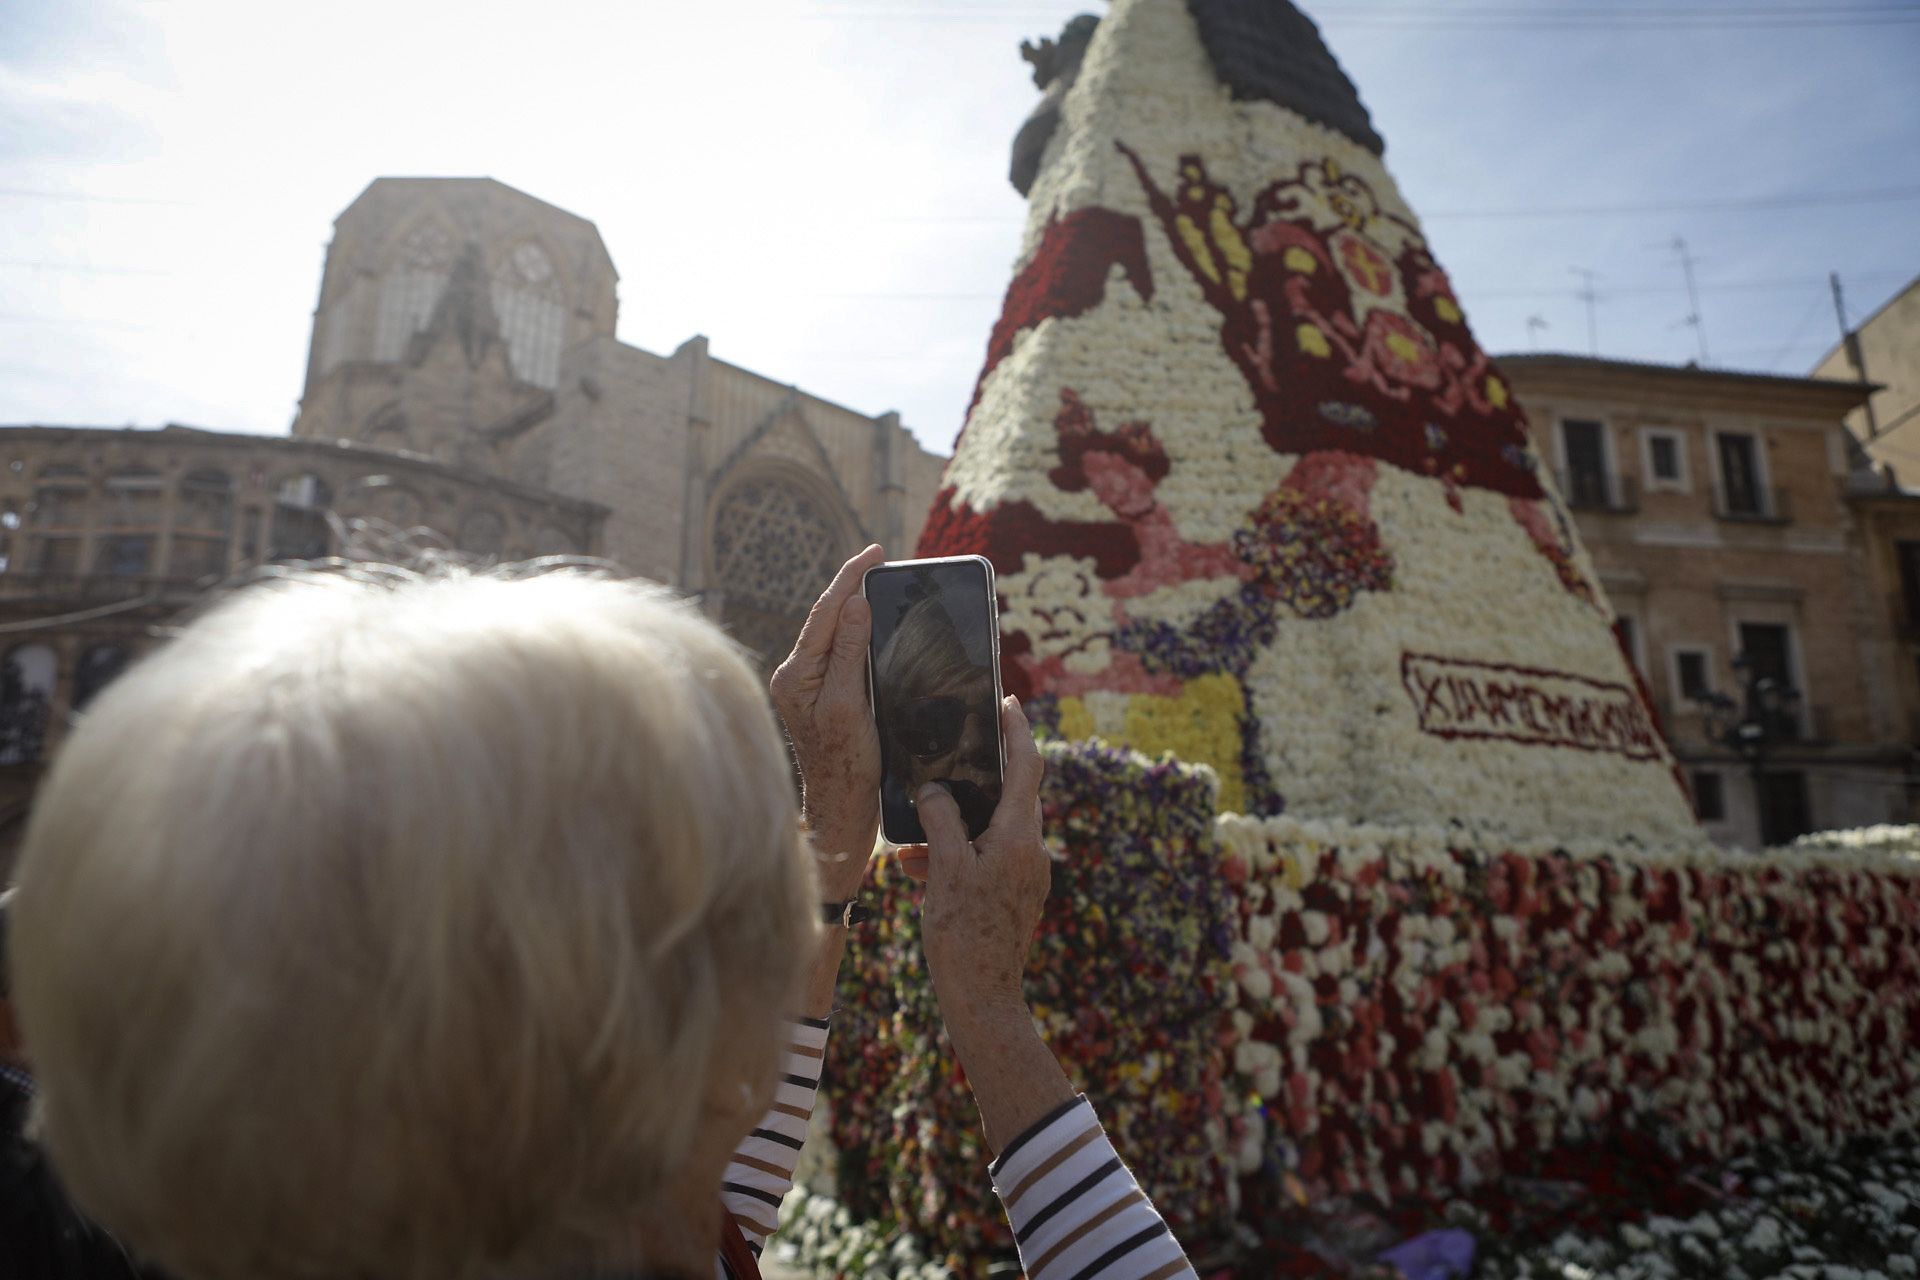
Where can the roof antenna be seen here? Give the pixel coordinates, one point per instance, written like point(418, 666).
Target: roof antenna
point(1687, 260)
point(1534, 325)
point(1588, 296)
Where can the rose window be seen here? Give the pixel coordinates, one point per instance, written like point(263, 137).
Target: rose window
point(774, 550)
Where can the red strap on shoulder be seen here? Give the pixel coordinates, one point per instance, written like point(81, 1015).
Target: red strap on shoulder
point(734, 1251)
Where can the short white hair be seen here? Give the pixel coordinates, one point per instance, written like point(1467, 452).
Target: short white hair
point(388, 925)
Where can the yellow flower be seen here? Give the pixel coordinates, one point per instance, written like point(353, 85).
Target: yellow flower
point(1200, 726)
point(1497, 392)
point(1312, 341)
point(1076, 722)
point(1298, 259)
point(1447, 309)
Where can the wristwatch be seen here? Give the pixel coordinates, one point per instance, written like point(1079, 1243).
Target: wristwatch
point(845, 914)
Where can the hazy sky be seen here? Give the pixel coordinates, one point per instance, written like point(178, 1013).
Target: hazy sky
point(819, 185)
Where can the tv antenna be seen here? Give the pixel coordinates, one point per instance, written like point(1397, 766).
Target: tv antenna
point(1588, 296)
point(1679, 246)
point(1534, 325)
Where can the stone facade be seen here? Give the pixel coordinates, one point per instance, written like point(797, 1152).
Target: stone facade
point(467, 321)
point(1716, 508)
point(1889, 346)
point(106, 536)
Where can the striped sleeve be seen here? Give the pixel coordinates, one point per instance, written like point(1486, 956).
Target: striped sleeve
point(1076, 1211)
point(761, 1171)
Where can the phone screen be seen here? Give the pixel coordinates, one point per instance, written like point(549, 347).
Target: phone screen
point(935, 665)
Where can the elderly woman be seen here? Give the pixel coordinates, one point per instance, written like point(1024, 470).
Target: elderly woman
point(384, 927)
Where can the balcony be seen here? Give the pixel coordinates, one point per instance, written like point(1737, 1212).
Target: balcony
point(1753, 506)
point(75, 591)
point(1598, 492)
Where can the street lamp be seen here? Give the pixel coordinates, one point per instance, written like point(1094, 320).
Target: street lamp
point(1763, 718)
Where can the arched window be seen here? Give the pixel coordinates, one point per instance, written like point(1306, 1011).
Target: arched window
point(390, 503)
point(27, 678)
point(58, 517)
point(532, 313)
point(412, 288)
point(482, 534)
point(774, 550)
point(136, 498)
point(202, 525)
point(99, 666)
point(300, 530)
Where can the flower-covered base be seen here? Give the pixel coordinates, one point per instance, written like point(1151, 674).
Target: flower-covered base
point(1255, 1002)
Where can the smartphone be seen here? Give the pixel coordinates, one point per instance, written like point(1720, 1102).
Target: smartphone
point(934, 671)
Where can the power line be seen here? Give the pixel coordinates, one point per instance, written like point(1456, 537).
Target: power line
point(1810, 200)
point(1571, 19)
point(84, 197)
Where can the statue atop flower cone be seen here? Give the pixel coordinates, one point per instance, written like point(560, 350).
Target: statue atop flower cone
point(1254, 493)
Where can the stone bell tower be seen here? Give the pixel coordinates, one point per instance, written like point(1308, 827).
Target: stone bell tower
point(448, 307)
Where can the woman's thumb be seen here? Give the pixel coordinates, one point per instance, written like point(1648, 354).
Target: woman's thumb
point(946, 834)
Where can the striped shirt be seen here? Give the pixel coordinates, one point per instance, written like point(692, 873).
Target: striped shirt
point(1076, 1211)
point(761, 1171)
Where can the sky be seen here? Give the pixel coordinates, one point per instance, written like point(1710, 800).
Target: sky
point(819, 186)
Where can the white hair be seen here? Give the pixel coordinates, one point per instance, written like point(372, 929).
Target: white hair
point(387, 925)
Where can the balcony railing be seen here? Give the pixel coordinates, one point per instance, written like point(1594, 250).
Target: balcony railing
point(1757, 506)
point(1595, 491)
point(80, 590)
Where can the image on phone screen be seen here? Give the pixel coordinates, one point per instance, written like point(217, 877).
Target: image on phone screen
point(936, 689)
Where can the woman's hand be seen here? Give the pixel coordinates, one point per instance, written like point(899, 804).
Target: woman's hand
point(820, 692)
point(984, 897)
point(983, 900)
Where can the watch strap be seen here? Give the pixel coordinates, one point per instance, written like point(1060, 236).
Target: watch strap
point(845, 914)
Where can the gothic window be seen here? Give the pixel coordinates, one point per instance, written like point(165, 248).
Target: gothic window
point(482, 533)
point(204, 519)
point(97, 668)
point(527, 299)
point(413, 286)
point(300, 530)
point(774, 550)
point(27, 677)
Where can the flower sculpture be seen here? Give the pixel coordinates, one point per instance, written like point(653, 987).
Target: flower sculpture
point(1264, 513)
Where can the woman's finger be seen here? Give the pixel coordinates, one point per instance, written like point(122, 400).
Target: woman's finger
point(817, 632)
point(1021, 786)
point(912, 861)
point(847, 664)
point(949, 853)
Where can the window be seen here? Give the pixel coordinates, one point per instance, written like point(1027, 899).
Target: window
point(1741, 493)
point(60, 501)
point(1692, 673)
point(1709, 796)
point(27, 678)
point(1585, 446)
point(134, 499)
point(127, 555)
point(1666, 460)
point(60, 556)
point(1768, 650)
point(774, 548)
point(1785, 811)
point(412, 289)
point(1907, 558)
point(205, 519)
point(527, 299)
point(300, 529)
